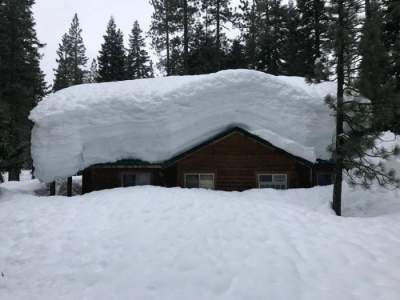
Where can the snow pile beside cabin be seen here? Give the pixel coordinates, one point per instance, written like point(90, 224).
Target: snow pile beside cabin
point(155, 119)
point(191, 244)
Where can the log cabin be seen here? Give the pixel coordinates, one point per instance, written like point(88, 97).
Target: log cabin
point(233, 160)
point(233, 130)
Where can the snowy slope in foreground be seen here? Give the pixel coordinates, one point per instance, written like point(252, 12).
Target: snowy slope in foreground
point(156, 243)
point(155, 119)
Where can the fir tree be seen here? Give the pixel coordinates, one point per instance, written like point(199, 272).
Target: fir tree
point(356, 132)
point(236, 58)
point(247, 24)
point(111, 58)
point(186, 17)
point(138, 61)
point(313, 31)
point(217, 13)
point(202, 57)
point(21, 82)
point(374, 67)
point(92, 74)
point(292, 52)
point(271, 37)
point(71, 58)
point(163, 26)
point(391, 34)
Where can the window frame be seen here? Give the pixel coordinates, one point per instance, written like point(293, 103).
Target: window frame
point(273, 183)
point(123, 174)
point(198, 174)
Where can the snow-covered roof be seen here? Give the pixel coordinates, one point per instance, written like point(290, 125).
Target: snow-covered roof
point(155, 119)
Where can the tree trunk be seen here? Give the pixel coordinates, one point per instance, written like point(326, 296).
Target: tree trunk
point(1, 178)
point(317, 42)
point(367, 9)
point(218, 36)
point(185, 37)
point(52, 188)
point(167, 36)
point(69, 186)
point(252, 49)
point(337, 188)
point(14, 174)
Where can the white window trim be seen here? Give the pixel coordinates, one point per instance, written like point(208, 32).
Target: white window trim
point(272, 174)
point(198, 174)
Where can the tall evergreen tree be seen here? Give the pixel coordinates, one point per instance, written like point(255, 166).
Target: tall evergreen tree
point(186, 17)
point(217, 13)
point(202, 57)
point(391, 22)
point(356, 132)
point(292, 52)
point(313, 30)
point(111, 59)
point(138, 61)
point(248, 19)
point(235, 58)
point(71, 58)
point(92, 74)
point(374, 67)
point(163, 26)
point(21, 82)
point(271, 37)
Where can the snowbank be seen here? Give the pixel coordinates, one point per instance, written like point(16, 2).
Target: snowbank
point(158, 243)
point(155, 119)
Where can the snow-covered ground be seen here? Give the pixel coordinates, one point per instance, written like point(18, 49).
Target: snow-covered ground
point(158, 243)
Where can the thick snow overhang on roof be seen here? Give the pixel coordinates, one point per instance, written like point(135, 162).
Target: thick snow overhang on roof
point(155, 119)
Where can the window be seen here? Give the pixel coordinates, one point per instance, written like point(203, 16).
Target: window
point(273, 181)
point(199, 180)
point(135, 179)
point(324, 178)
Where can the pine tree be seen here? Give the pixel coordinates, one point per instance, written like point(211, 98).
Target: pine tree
point(111, 58)
point(92, 74)
point(313, 31)
point(292, 52)
point(356, 132)
point(248, 19)
point(202, 57)
point(374, 67)
point(217, 13)
point(138, 61)
point(391, 34)
point(271, 37)
point(62, 78)
point(235, 58)
point(21, 82)
point(71, 58)
point(186, 17)
point(163, 26)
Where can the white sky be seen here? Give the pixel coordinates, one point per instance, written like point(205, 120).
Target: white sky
point(53, 18)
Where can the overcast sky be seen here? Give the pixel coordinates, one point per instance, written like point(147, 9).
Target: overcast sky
point(53, 18)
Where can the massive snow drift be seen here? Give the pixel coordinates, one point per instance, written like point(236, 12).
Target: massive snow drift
point(181, 244)
point(154, 119)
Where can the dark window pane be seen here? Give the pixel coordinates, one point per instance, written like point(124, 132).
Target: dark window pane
point(191, 181)
point(143, 179)
point(129, 180)
point(324, 179)
point(265, 178)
